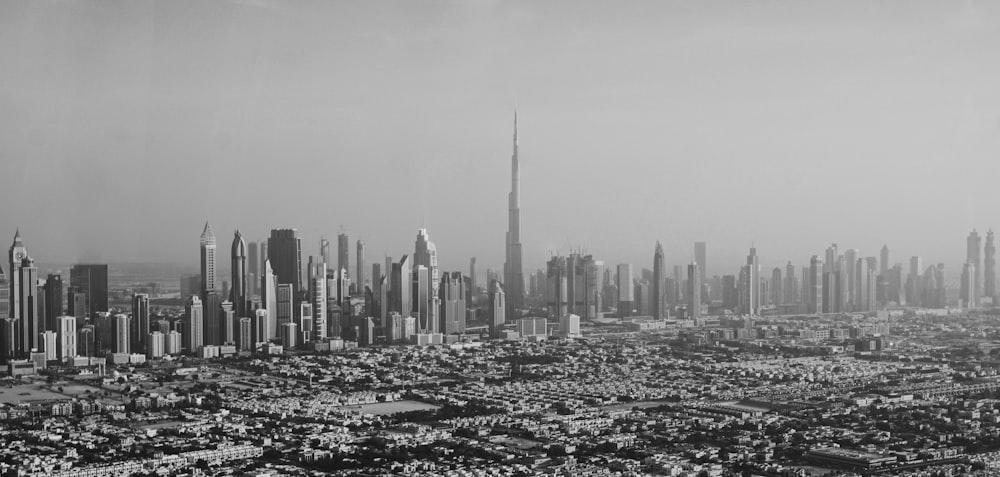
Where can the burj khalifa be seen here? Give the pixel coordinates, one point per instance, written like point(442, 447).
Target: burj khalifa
point(512, 271)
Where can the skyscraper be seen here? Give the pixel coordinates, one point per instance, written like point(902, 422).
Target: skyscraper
point(359, 278)
point(140, 322)
point(777, 286)
point(122, 334)
point(91, 280)
point(53, 301)
point(814, 290)
point(496, 308)
point(453, 302)
point(238, 272)
point(973, 251)
point(512, 272)
point(425, 255)
point(253, 269)
point(701, 258)
point(989, 268)
point(473, 284)
point(270, 300)
point(884, 261)
point(626, 290)
point(324, 251)
point(343, 252)
point(659, 285)
point(967, 295)
point(694, 291)
point(29, 323)
point(193, 324)
point(750, 296)
point(850, 262)
point(284, 250)
point(791, 284)
point(66, 336)
point(400, 288)
point(207, 258)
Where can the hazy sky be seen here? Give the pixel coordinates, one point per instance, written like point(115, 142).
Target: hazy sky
point(792, 124)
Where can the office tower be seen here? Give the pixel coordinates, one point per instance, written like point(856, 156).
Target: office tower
point(92, 281)
point(385, 297)
point(29, 323)
point(269, 298)
point(212, 320)
point(47, 343)
point(730, 292)
point(375, 304)
point(473, 284)
point(425, 254)
point(261, 255)
point(973, 256)
point(884, 260)
point(989, 268)
point(421, 283)
point(66, 336)
point(791, 284)
point(53, 300)
point(318, 298)
point(939, 291)
point(238, 273)
point(557, 285)
point(8, 339)
point(814, 294)
point(207, 259)
point(140, 322)
point(694, 291)
point(343, 252)
point(497, 304)
point(777, 287)
point(122, 335)
point(289, 335)
point(359, 278)
point(913, 281)
point(16, 254)
point(253, 269)
point(626, 292)
point(227, 322)
point(261, 325)
point(324, 251)
point(244, 337)
point(283, 304)
point(643, 298)
point(967, 295)
point(156, 346)
point(750, 294)
point(85, 340)
point(512, 274)
point(659, 285)
point(850, 262)
point(866, 278)
point(172, 342)
point(401, 288)
point(193, 324)
point(453, 301)
point(284, 250)
point(701, 258)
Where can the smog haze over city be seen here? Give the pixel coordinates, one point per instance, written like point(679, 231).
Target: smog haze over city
point(125, 125)
point(485, 238)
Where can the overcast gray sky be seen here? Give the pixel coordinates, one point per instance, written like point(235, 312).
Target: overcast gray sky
point(125, 125)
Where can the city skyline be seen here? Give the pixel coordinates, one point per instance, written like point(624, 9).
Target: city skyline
point(828, 106)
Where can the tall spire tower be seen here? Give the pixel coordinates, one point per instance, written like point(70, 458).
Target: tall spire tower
point(513, 275)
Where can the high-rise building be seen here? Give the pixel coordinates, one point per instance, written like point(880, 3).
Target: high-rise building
point(283, 304)
point(626, 291)
point(497, 304)
point(29, 323)
point(208, 259)
point(53, 301)
point(140, 322)
point(400, 287)
point(238, 272)
point(157, 345)
point(750, 294)
point(284, 250)
point(814, 294)
point(425, 255)
point(777, 287)
point(473, 284)
point(324, 251)
point(318, 297)
point(212, 320)
point(989, 268)
point(269, 298)
point(967, 294)
point(851, 291)
point(253, 269)
point(701, 258)
point(884, 260)
point(694, 291)
point(343, 252)
point(791, 284)
point(659, 285)
point(974, 247)
point(193, 324)
point(865, 272)
point(123, 336)
point(66, 336)
point(421, 283)
point(91, 280)
point(359, 278)
point(453, 303)
point(512, 272)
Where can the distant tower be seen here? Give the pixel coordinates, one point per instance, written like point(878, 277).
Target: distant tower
point(694, 291)
point(122, 334)
point(324, 251)
point(207, 259)
point(626, 290)
point(883, 263)
point(989, 268)
point(659, 285)
point(814, 290)
point(497, 306)
point(513, 274)
point(967, 295)
point(53, 301)
point(751, 296)
point(359, 278)
point(253, 269)
point(29, 323)
point(238, 289)
point(701, 258)
point(194, 325)
point(973, 256)
point(425, 255)
point(284, 250)
point(473, 284)
point(343, 252)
